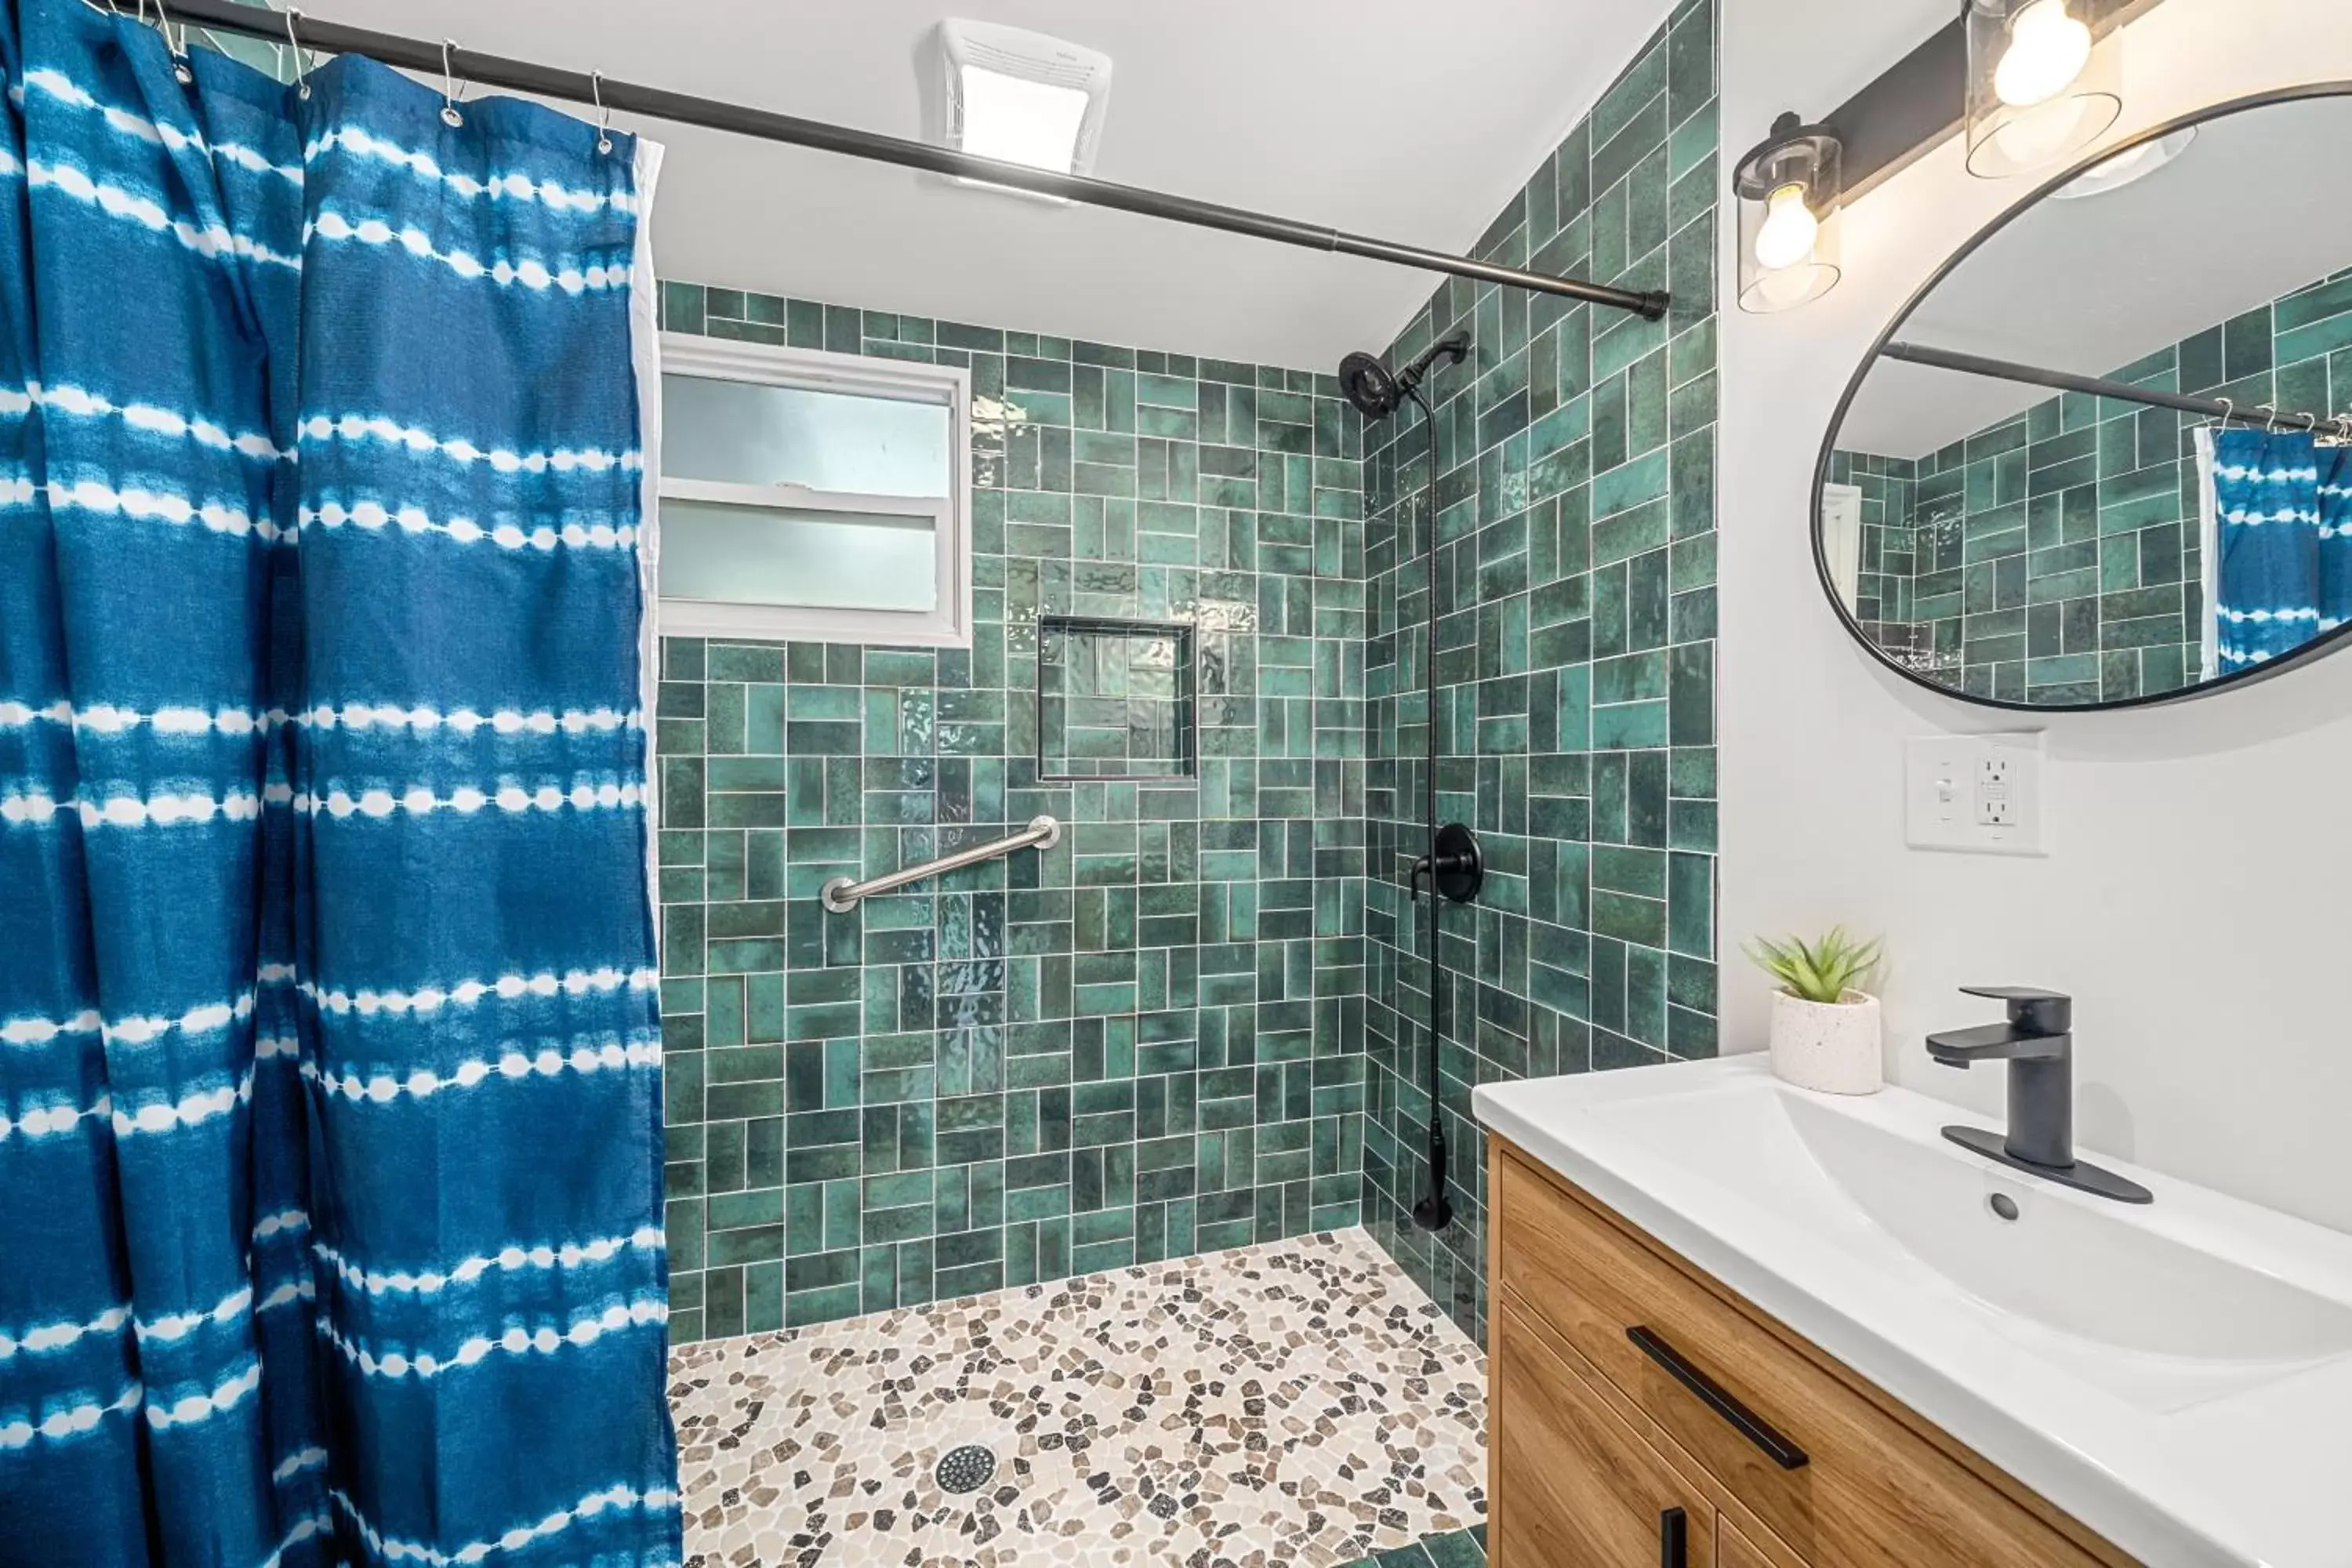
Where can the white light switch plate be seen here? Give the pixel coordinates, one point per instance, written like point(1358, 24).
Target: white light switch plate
point(1977, 795)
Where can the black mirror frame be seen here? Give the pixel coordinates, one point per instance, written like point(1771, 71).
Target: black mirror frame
point(2317, 648)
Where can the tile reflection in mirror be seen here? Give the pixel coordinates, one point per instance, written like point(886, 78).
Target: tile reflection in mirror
point(2008, 539)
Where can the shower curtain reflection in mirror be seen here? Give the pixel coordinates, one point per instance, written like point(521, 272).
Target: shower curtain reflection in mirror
point(2277, 518)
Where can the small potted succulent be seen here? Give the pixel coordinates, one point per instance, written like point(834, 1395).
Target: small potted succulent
point(1825, 1027)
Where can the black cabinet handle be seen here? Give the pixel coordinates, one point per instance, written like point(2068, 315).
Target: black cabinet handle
point(1674, 1545)
point(1777, 1448)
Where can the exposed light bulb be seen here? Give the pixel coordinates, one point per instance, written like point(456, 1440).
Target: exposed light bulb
point(2047, 50)
point(1789, 228)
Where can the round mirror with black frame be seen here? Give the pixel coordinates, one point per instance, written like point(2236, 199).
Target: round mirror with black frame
point(2104, 458)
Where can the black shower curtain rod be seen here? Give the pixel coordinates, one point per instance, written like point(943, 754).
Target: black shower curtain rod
point(683, 109)
point(2099, 386)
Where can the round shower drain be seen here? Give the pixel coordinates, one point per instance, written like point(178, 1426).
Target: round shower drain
point(966, 1469)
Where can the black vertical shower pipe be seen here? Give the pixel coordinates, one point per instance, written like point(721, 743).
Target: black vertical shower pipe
point(1453, 864)
point(1432, 1212)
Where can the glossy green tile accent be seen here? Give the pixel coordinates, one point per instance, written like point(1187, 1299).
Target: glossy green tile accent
point(2055, 557)
point(1143, 1043)
point(1575, 655)
point(1455, 1548)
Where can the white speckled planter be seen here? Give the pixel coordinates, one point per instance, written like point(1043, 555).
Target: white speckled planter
point(1833, 1047)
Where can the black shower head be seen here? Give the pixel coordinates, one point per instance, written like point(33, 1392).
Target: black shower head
point(1376, 392)
point(1368, 385)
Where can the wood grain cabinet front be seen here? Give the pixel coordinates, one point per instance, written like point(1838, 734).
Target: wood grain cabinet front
point(1587, 1491)
point(1733, 1550)
point(1829, 1471)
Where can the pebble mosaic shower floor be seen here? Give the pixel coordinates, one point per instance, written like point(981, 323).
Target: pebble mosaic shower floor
point(1299, 1404)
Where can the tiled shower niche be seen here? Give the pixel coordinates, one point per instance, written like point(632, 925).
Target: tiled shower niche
point(1115, 701)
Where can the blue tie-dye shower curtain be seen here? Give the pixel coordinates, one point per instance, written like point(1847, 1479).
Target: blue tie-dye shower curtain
point(329, 1052)
point(2335, 465)
point(2285, 571)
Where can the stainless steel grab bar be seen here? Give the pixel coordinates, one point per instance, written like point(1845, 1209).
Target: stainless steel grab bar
point(841, 893)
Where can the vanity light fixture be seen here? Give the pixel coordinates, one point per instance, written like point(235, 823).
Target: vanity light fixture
point(2042, 87)
point(1788, 190)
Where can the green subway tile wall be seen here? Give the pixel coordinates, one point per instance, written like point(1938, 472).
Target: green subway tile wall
point(1575, 652)
point(1142, 1043)
point(1883, 583)
point(2055, 557)
point(1199, 1021)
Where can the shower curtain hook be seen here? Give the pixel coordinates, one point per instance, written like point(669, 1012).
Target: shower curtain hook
point(603, 115)
point(2269, 419)
point(293, 42)
point(450, 92)
point(182, 71)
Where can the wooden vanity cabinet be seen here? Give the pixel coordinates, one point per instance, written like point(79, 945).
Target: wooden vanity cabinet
point(1733, 1550)
point(1641, 1413)
point(1588, 1488)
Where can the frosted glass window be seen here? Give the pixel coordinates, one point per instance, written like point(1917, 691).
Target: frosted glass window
point(791, 556)
point(749, 433)
point(813, 496)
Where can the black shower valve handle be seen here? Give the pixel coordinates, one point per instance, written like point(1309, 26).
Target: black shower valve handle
point(1455, 865)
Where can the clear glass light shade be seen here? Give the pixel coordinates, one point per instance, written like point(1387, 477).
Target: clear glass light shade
point(1788, 190)
point(2040, 87)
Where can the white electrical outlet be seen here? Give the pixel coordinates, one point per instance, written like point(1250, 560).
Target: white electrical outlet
point(1996, 801)
point(1973, 794)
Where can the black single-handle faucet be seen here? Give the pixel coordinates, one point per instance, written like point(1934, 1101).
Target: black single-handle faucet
point(2038, 1044)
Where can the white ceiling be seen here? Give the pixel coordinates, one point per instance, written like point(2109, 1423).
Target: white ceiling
point(2259, 207)
point(1411, 123)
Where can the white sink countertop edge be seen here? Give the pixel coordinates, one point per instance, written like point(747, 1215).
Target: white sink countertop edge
point(2157, 1487)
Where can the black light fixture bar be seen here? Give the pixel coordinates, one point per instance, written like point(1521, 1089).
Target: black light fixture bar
point(2093, 386)
point(741, 120)
point(1921, 99)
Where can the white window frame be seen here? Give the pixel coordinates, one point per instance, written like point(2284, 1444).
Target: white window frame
point(1842, 541)
point(949, 623)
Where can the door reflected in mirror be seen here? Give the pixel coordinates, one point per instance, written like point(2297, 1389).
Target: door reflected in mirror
point(2103, 460)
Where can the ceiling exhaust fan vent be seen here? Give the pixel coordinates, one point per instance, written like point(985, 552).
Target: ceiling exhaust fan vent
point(1010, 93)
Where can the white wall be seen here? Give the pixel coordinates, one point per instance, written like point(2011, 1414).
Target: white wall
point(2197, 897)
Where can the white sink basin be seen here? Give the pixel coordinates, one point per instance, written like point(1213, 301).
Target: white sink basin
point(2083, 1269)
point(2176, 1376)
